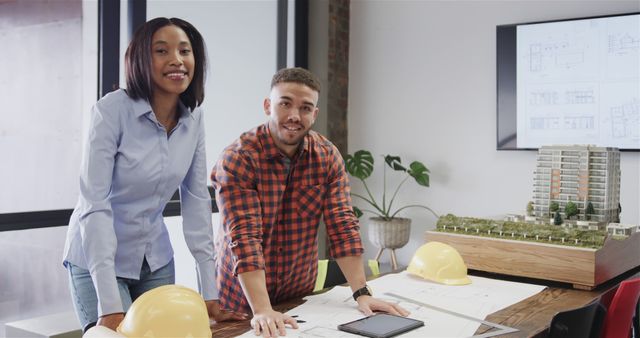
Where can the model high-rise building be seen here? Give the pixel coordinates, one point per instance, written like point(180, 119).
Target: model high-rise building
point(582, 175)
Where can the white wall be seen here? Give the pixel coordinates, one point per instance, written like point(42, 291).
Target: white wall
point(422, 86)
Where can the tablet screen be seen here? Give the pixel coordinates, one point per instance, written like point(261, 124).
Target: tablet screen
point(381, 325)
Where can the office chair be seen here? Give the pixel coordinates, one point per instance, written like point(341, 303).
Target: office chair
point(636, 322)
point(620, 313)
point(329, 273)
point(607, 297)
point(583, 322)
point(374, 266)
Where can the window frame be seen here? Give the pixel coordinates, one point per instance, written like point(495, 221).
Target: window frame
point(108, 80)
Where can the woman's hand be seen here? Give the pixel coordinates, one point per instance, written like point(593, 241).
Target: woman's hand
point(111, 320)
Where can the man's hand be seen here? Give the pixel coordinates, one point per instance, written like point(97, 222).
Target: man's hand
point(111, 320)
point(368, 304)
point(271, 323)
point(218, 315)
point(265, 320)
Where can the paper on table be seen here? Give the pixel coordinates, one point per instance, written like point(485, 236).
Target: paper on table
point(484, 296)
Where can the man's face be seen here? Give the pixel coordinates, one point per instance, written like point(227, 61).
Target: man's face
point(292, 110)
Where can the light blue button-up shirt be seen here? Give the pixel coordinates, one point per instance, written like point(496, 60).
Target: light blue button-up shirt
point(131, 167)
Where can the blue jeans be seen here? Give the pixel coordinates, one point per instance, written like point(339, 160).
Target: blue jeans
point(84, 296)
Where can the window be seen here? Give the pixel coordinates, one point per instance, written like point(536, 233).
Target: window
point(49, 81)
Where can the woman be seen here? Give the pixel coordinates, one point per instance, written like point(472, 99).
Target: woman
point(144, 143)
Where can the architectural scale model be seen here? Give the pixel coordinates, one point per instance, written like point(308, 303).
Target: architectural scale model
point(576, 201)
point(581, 175)
point(583, 180)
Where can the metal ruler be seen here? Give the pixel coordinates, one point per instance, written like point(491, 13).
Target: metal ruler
point(499, 329)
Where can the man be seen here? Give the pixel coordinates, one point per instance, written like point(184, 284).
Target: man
point(272, 185)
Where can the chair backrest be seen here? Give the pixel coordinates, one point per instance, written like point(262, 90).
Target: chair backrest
point(322, 274)
point(617, 323)
point(329, 274)
point(607, 297)
point(374, 266)
point(636, 321)
point(583, 322)
point(334, 275)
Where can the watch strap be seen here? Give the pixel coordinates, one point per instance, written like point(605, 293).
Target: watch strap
point(363, 291)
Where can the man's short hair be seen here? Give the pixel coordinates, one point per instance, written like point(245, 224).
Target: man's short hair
point(297, 75)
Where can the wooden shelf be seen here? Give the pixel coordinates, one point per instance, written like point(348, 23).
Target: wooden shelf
point(584, 268)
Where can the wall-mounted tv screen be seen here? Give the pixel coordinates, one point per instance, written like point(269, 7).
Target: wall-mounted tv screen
point(574, 81)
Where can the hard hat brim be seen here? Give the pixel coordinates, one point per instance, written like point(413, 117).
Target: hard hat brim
point(458, 281)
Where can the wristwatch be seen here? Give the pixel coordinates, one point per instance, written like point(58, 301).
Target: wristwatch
point(363, 291)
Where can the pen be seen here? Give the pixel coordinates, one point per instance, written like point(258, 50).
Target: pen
point(298, 320)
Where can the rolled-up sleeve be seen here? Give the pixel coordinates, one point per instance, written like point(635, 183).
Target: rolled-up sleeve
point(238, 200)
point(99, 241)
point(196, 217)
point(343, 227)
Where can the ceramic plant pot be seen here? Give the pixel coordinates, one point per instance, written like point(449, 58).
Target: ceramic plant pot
point(391, 234)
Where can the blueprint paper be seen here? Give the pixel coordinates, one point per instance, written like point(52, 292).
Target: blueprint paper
point(324, 312)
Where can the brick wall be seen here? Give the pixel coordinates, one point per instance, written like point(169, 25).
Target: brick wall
point(338, 73)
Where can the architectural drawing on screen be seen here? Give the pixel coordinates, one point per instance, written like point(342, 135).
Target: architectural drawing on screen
point(625, 120)
point(578, 83)
point(623, 44)
point(547, 56)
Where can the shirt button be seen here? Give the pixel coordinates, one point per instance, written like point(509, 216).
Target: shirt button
point(280, 249)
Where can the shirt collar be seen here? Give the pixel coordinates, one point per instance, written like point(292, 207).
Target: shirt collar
point(270, 148)
point(142, 107)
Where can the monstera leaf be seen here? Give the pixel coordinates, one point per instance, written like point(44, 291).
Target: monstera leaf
point(420, 172)
point(360, 164)
point(394, 163)
point(357, 212)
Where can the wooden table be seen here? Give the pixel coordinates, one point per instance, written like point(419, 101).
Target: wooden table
point(531, 316)
point(232, 329)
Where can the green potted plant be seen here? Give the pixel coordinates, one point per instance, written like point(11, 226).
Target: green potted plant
point(386, 229)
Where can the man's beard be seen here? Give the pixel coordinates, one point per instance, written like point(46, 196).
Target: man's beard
point(294, 141)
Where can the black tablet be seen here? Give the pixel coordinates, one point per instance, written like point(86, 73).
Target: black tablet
point(381, 325)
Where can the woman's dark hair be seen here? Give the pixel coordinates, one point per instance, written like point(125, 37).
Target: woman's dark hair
point(137, 62)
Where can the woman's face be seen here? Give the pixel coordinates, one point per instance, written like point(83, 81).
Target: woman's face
point(172, 61)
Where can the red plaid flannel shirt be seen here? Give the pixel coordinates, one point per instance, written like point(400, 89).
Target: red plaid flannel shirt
point(270, 215)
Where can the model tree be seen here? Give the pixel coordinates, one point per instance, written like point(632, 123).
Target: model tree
point(530, 208)
point(557, 220)
point(570, 210)
point(588, 211)
point(554, 207)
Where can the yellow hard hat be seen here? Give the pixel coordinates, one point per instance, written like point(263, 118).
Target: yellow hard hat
point(167, 311)
point(440, 263)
